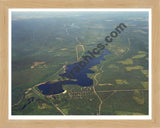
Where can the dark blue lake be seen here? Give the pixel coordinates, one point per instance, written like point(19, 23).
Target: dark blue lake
point(80, 78)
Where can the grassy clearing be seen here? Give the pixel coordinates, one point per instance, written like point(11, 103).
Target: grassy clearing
point(58, 38)
point(94, 68)
point(65, 111)
point(127, 61)
point(138, 97)
point(142, 52)
point(145, 84)
point(110, 84)
point(121, 82)
point(139, 56)
point(113, 66)
point(63, 49)
point(133, 68)
point(145, 72)
point(43, 106)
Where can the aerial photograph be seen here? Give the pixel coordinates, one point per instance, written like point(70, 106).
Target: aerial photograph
point(79, 62)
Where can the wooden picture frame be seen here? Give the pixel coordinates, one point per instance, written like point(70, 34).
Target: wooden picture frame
point(4, 48)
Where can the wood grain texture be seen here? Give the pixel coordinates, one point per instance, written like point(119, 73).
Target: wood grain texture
point(6, 4)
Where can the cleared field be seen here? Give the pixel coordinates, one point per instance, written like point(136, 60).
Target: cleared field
point(145, 84)
point(133, 68)
point(121, 82)
point(127, 61)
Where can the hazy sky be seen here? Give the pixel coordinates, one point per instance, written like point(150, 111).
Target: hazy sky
point(16, 15)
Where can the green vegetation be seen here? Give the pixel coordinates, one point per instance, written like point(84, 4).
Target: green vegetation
point(65, 111)
point(94, 68)
point(145, 84)
point(43, 47)
point(145, 72)
point(127, 61)
point(133, 68)
point(113, 66)
point(138, 97)
point(121, 82)
point(106, 84)
point(139, 56)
